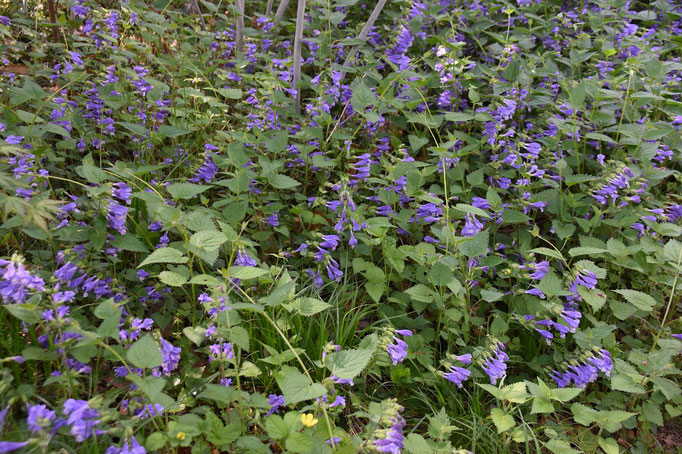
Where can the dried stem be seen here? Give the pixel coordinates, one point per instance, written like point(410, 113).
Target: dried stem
point(364, 32)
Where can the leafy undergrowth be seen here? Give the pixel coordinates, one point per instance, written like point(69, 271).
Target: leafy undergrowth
point(468, 238)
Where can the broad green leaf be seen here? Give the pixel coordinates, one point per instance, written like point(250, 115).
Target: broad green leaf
point(186, 190)
point(640, 300)
point(349, 364)
point(362, 98)
point(502, 421)
point(164, 255)
point(279, 181)
point(244, 272)
point(307, 306)
point(145, 353)
point(129, 242)
point(172, 131)
point(172, 278)
point(296, 387)
point(208, 240)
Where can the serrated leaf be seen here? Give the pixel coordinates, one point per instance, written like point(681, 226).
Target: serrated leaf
point(172, 278)
point(129, 242)
point(186, 190)
point(349, 364)
point(296, 387)
point(362, 98)
point(279, 181)
point(172, 131)
point(640, 300)
point(244, 272)
point(208, 240)
point(164, 255)
point(307, 306)
point(582, 414)
point(145, 353)
point(502, 421)
point(652, 412)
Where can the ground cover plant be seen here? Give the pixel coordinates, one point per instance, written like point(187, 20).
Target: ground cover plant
point(449, 226)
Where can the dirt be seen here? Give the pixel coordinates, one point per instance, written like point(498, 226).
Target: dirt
point(670, 435)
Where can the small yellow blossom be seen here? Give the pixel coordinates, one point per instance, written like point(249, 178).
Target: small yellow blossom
point(308, 419)
point(180, 436)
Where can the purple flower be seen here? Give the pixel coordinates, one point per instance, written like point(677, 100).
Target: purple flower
point(16, 282)
point(171, 358)
point(342, 381)
point(116, 217)
point(495, 365)
point(457, 375)
point(466, 359)
point(275, 401)
point(81, 418)
point(471, 226)
point(206, 172)
point(403, 44)
point(392, 439)
point(122, 192)
point(221, 351)
point(397, 350)
point(129, 447)
point(243, 259)
point(539, 270)
point(333, 270)
point(9, 446)
point(14, 140)
point(39, 417)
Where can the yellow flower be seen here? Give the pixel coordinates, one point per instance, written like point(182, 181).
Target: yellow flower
point(180, 436)
point(308, 419)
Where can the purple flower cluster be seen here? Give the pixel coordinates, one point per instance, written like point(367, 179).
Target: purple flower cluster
point(390, 439)
point(584, 371)
point(398, 348)
point(495, 364)
point(17, 284)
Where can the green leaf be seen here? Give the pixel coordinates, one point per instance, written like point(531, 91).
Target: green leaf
point(231, 93)
point(510, 216)
point(307, 306)
point(362, 98)
point(172, 278)
point(278, 143)
point(416, 444)
point(558, 446)
point(652, 412)
point(565, 394)
point(640, 300)
point(279, 181)
point(623, 382)
point(491, 295)
point(186, 190)
point(129, 242)
point(244, 272)
point(172, 131)
point(296, 387)
point(164, 255)
point(610, 446)
point(208, 240)
point(541, 404)
point(502, 421)
point(349, 364)
point(548, 252)
point(145, 353)
point(299, 443)
point(582, 414)
point(25, 312)
point(276, 427)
